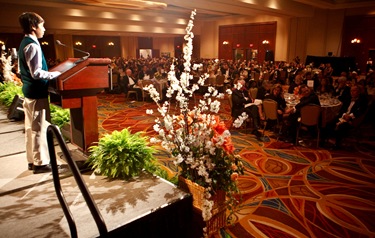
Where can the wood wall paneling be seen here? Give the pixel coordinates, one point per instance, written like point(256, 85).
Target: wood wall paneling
point(249, 37)
point(145, 42)
point(363, 28)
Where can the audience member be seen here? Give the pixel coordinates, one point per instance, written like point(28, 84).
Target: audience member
point(144, 74)
point(131, 84)
point(295, 84)
point(311, 81)
point(264, 90)
point(342, 91)
point(307, 97)
point(351, 114)
point(278, 96)
point(325, 87)
point(240, 99)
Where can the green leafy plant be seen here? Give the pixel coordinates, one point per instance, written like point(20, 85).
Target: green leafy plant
point(124, 155)
point(8, 90)
point(59, 116)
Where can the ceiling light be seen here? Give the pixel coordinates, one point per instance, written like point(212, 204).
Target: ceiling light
point(127, 4)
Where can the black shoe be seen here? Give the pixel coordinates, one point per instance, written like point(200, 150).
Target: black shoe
point(38, 169)
point(30, 166)
point(336, 147)
point(62, 168)
point(290, 140)
point(257, 133)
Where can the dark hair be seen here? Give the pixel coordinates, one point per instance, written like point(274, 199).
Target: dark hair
point(28, 20)
point(301, 87)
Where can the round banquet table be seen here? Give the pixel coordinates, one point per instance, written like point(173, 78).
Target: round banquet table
point(330, 107)
point(160, 85)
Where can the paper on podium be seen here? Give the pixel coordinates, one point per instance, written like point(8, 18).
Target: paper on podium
point(256, 102)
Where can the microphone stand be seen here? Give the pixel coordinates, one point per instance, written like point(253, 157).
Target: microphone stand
point(82, 58)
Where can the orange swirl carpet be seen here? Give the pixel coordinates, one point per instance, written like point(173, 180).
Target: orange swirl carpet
point(287, 191)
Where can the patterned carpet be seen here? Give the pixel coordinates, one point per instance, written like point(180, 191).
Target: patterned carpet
point(287, 191)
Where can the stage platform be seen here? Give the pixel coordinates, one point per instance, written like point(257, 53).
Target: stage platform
point(146, 206)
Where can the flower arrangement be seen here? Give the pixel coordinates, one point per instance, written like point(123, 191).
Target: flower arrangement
point(195, 136)
point(6, 66)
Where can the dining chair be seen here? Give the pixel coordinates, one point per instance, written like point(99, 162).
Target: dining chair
point(211, 81)
point(270, 114)
point(253, 92)
point(219, 82)
point(256, 77)
point(130, 92)
point(145, 93)
point(310, 116)
point(231, 106)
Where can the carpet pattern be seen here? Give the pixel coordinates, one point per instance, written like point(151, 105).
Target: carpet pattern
point(287, 191)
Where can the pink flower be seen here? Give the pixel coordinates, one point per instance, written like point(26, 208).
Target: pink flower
point(234, 177)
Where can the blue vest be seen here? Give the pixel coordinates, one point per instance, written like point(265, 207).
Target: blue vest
point(32, 88)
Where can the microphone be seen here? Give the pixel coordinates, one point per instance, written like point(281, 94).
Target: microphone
point(82, 58)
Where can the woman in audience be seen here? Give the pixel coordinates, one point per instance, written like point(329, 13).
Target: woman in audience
point(278, 96)
point(325, 87)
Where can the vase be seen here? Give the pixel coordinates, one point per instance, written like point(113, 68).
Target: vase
point(218, 219)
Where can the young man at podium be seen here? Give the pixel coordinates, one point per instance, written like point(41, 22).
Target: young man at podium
point(34, 76)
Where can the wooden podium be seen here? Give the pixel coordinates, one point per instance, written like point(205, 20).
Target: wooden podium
point(76, 89)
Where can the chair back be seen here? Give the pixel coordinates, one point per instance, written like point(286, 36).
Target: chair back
point(211, 81)
point(253, 92)
point(230, 101)
point(256, 76)
point(145, 83)
point(282, 74)
point(310, 115)
point(220, 80)
point(230, 104)
point(270, 109)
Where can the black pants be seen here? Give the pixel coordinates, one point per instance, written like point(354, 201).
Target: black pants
point(253, 112)
point(341, 131)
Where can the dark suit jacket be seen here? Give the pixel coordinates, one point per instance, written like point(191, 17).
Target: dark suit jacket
point(127, 88)
point(291, 88)
point(359, 107)
point(262, 93)
point(343, 94)
point(311, 99)
point(126, 83)
point(239, 101)
point(141, 74)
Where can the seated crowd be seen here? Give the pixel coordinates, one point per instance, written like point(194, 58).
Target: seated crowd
point(267, 81)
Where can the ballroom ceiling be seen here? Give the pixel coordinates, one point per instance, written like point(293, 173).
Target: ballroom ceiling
point(220, 8)
point(155, 16)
